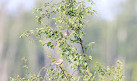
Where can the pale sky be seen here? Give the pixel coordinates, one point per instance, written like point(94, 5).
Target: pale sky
point(106, 8)
point(14, 4)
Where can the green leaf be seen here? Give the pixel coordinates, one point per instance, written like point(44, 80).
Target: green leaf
point(39, 20)
point(85, 64)
point(39, 9)
point(88, 0)
point(48, 44)
point(90, 57)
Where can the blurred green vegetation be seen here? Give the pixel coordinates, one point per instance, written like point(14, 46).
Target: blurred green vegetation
point(114, 39)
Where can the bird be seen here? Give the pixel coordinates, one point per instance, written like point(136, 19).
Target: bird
point(58, 62)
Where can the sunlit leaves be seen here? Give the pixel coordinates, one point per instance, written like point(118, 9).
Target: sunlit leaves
point(69, 15)
point(90, 57)
point(89, 45)
point(110, 73)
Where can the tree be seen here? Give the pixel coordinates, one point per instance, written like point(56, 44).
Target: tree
point(69, 18)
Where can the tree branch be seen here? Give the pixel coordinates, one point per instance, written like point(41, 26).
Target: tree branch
point(63, 72)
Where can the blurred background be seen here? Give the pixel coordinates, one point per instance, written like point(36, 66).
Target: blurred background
point(114, 31)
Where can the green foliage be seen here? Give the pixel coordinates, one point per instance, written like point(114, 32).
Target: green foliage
point(110, 73)
point(69, 25)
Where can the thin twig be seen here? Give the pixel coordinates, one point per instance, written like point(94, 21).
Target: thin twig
point(38, 75)
point(63, 72)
